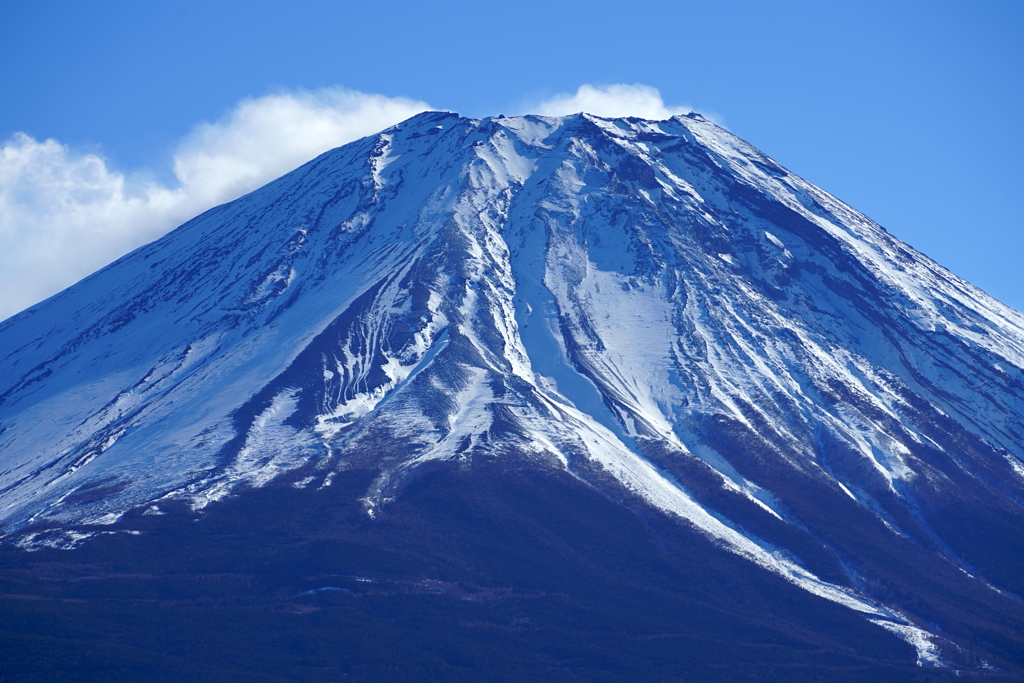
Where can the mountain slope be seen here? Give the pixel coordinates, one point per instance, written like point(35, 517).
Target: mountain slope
point(472, 574)
point(655, 308)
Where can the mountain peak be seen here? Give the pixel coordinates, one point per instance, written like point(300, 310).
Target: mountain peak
point(653, 307)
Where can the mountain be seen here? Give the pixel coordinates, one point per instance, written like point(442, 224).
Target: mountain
point(637, 353)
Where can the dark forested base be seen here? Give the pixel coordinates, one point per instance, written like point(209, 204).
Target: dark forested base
point(473, 574)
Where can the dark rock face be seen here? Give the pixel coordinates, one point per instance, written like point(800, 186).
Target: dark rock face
point(472, 574)
point(632, 371)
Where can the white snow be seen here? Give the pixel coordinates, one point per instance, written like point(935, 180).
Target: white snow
point(516, 267)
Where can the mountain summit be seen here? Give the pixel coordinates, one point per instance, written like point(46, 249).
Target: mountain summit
point(653, 311)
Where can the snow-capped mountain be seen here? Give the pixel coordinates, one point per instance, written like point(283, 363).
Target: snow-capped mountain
point(654, 307)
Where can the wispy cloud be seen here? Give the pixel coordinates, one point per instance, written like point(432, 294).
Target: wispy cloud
point(612, 100)
point(64, 214)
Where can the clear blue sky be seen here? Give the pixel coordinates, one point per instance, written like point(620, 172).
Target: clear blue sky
point(912, 112)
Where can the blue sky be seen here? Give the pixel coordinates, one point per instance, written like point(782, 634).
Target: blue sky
point(909, 111)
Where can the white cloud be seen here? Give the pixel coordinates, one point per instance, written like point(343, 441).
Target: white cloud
point(267, 137)
point(65, 214)
point(611, 101)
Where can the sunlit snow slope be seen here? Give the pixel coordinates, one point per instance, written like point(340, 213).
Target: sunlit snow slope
point(654, 306)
